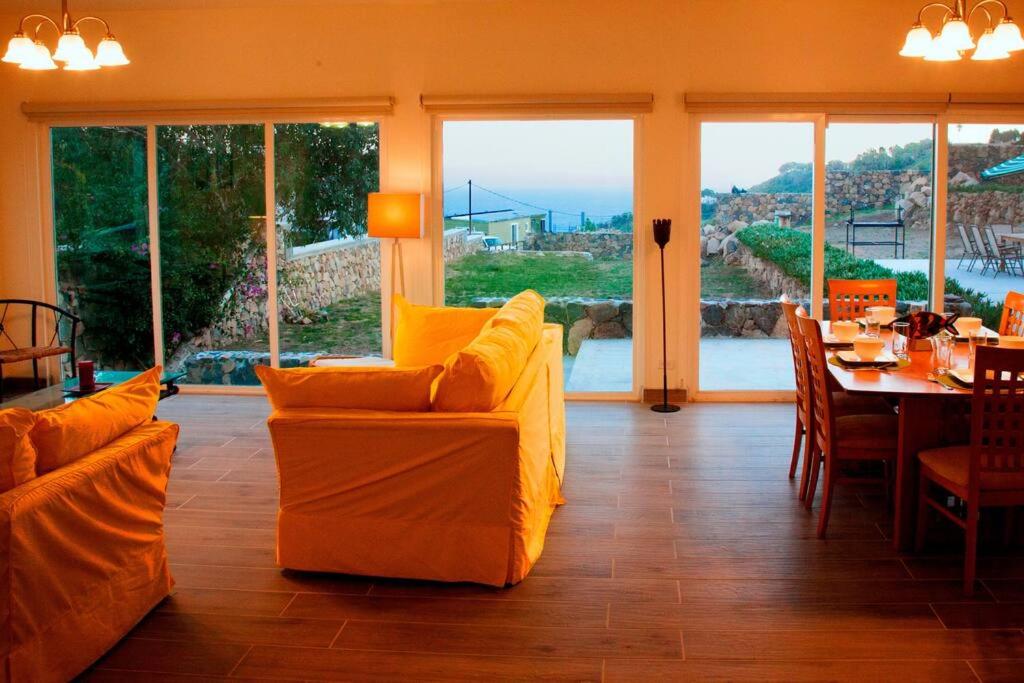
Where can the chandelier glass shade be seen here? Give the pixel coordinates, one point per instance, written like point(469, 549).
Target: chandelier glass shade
point(27, 50)
point(998, 35)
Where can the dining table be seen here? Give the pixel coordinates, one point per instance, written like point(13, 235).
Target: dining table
point(931, 414)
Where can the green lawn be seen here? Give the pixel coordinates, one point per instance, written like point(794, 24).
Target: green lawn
point(508, 273)
point(721, 281)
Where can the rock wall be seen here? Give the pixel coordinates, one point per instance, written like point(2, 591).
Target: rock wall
point(600, 244)
point(972, 159)
point(459, 243)
point(581, 318)
point(984, 208)
point(322, 274)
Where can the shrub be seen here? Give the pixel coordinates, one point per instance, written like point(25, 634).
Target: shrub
point(790, 250)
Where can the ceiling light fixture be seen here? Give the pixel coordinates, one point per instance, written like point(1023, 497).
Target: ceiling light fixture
point(26, 50)
point(997, 40)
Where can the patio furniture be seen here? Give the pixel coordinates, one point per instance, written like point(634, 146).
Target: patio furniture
point(847, 299)
point(54, 346)
point(1012, 322)
point(898, 241)
point(971, 250)
point(1003, 257)
point(988, 472)
point(840, 439)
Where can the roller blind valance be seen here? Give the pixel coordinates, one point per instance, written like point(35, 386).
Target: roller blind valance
point(827, 103)
point(207, 111)
point(621, 103)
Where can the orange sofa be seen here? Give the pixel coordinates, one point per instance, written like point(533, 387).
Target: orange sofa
point(82, 556)
point(426, 493)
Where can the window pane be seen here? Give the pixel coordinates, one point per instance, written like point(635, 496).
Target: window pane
point(213, 252)
point(756, 214)
point(102, 241)
point(328, 270)
point(878, 201)
point(985, 218)
point(547, 205)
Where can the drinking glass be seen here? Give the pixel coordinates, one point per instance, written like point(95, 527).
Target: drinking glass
point(974, 339)
point(872, 328)
point(901, 340)
point(942, 352)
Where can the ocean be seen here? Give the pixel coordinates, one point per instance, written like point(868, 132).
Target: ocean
point(599, 204)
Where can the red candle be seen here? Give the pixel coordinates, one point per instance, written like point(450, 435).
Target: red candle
point(86, 375)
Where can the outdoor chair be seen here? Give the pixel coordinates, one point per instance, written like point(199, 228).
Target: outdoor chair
point(971, 250)
point(848, 299)
point(984, 250)
point(989, 471)
point(1003, 257)
point(33, 351)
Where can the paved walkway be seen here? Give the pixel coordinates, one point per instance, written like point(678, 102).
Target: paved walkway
point(738, 364)
point(993, 287)
point(602, 365)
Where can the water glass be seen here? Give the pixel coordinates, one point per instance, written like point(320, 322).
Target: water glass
point(974, 339)
point(872, 328)
point(901, 340)
point(942, 352)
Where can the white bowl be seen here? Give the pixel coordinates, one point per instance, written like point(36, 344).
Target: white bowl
point(883, 314)
point(845, 330)
point(964, 326)
point(868, 348)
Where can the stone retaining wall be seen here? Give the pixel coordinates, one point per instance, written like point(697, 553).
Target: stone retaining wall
point(972, 159)
point(581, 318)
point(984, 208)
point(600, 244)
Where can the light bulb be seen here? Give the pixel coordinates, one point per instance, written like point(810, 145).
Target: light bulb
point(82, 62)
point(19, 48)
point(71, 47)
point(938, 51)
point(40, 60)
point(110, 53)
point(1008, 35)
point(989, 48)
point(918, 40)
point(956, 35)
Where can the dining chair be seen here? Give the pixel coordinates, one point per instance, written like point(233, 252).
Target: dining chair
point(1012, 321)
point(1005, 257)
point(988, 472)
point(847, 299)
point(845, 404)
point(971, 251)
point(840, 439)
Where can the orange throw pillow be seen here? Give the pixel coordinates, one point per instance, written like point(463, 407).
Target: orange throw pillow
point(355, 388)
point(65, 434)
point(480, 376)
point(427, 335)
point(17, 454)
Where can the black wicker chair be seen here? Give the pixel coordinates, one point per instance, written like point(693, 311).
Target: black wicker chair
point(54, 346)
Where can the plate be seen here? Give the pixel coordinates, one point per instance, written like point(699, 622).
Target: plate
point(851, 359)
point(990, 332)
point(964, 376)
point(834, 342)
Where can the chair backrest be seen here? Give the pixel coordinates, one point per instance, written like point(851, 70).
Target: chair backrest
point(1001, 228)
point(997, 413)
point(847, 299)
point(980, 241)
point(819, 396)
point(993, 240)
point(965, 239)
point(792, 311)
point(1012, 322)
point(56, 319)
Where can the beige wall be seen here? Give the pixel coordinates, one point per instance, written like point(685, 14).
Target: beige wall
point(408, 47)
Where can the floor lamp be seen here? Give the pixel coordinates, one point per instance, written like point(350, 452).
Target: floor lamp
point(395, 216)
point(662, 233)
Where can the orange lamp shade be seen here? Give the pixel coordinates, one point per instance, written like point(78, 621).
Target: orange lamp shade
point(395, 214)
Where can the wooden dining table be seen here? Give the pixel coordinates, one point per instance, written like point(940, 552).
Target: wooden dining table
point(930, 415)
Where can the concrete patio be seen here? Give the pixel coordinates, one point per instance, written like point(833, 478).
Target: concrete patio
point(995, 288)
point(740, 364)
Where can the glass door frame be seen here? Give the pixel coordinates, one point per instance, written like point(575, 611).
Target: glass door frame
point(44, 150)
point(821, 120)
point(640, 237)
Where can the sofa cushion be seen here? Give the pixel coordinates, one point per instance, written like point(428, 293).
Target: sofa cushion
point(64, 434)
point(428, 335)
point(480, 376)
point(17, 454)
point(353, 388)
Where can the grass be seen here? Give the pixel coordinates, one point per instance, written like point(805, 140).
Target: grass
point(508, 273)
point(721, 281)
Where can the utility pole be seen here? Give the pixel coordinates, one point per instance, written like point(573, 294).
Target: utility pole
point(470, 207)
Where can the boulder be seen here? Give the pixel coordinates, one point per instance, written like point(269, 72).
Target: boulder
point(580, 331)
point(963, 179)
point(610, 330)
point(730, 245)
point(602, 312)
point(713, 246)
point(918, 199)
point(736, 225)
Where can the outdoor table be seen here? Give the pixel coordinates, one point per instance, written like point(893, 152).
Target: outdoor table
point(930, 415)
point(1016, 237)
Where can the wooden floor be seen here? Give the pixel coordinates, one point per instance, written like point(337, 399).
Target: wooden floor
point(680, 555)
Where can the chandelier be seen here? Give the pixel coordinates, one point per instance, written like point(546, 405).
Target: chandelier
point(1000, 37)
point(28, 51)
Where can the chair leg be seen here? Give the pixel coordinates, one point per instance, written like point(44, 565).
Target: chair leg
point(826, 502)
point(798, 432)
point(1, 382)
point(805, 475)
point(1008, 526)
point(971, 549)
point(35, 373)
point(816, 460)
point(922, 514)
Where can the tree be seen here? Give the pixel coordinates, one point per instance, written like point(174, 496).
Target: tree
point(793, 177)
point(999, 137)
